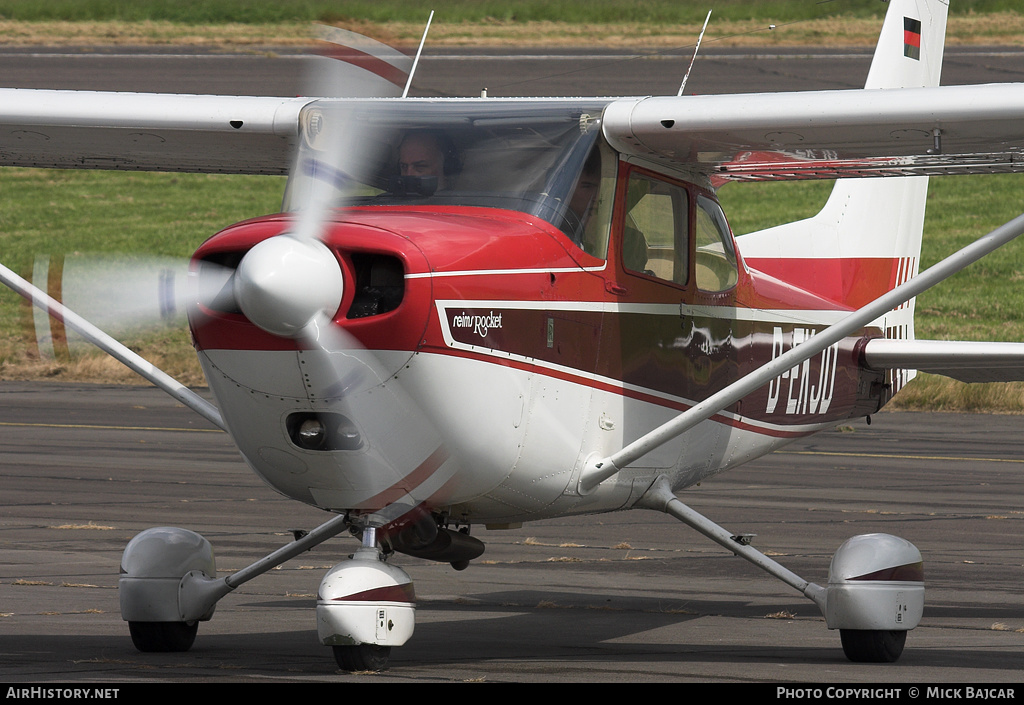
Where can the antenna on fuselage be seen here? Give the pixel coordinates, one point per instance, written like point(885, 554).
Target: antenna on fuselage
point(695, 50)
point(416, 61)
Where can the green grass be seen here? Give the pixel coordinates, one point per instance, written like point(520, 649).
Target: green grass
point(162, 213)
point(59, 212)
point(52, 212)
point(380, 11)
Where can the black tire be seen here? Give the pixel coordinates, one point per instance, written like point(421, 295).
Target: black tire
point(364, 657)
point(872, 646)
point(163, 636)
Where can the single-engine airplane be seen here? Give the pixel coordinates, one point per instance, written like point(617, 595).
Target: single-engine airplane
point(491, 311)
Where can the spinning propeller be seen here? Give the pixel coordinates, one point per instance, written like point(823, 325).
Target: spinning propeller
point(291, 285)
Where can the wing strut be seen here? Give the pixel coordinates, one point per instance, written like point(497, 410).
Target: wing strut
point(597, 471)
point(660, 498)
point(112, 347)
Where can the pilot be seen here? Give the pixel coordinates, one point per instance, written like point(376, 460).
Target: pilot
point(426, 153)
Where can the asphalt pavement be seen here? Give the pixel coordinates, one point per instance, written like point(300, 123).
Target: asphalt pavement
point(624, 597)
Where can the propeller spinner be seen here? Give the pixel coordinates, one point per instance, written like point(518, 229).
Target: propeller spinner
point(283, 283)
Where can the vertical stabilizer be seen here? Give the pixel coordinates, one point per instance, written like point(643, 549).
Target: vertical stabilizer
point(867, 238)
point(909, 51)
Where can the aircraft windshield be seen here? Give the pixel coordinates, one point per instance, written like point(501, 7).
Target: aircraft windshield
point(525, 156)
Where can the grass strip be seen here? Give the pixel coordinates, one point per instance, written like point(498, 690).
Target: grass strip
point(1004, 29)
point(55, 213)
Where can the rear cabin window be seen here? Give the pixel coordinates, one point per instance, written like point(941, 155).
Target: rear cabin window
point(715, 262)
point(655, 237)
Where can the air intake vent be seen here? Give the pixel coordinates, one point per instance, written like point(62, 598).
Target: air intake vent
point(380, 285)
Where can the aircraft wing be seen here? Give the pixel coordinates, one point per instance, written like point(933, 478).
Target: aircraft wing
point(828, 134)
point(139, 131)
point(964, 361)
point(801, 135)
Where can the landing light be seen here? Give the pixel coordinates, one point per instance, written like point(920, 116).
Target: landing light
point(311, 434)
point(323, 431)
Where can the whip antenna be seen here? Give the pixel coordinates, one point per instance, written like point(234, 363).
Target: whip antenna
point(695, 49)
point(419, 51)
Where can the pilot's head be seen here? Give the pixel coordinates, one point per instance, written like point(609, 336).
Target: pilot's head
point(424, 154)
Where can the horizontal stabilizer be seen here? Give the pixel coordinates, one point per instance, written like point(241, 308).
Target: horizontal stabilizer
point(964, 361)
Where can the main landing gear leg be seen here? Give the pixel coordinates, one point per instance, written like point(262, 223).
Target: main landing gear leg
point(168, 582)
point(168, 585)
point(875, 593)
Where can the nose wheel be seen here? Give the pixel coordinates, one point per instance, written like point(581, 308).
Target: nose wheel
point(872, 645)
point(364, 607)
point(362, 657)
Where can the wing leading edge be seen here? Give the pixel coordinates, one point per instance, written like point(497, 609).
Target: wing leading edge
point(804, 135)
point(140, 131)
point(828, 134)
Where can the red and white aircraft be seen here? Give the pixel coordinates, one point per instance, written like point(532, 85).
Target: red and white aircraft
point(489, 311)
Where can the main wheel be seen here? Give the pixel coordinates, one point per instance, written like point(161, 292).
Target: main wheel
point(872, 646)
point(163, 636)
point(364, 657)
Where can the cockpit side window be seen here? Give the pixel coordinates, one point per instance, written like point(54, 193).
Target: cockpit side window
point(588, 214)
point(655, 236)
point(715, 261)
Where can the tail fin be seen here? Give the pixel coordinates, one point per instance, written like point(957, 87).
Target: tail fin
point(909, 50)
point(867, 238)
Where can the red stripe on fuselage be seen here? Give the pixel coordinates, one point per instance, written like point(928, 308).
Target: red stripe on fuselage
point(850, 281)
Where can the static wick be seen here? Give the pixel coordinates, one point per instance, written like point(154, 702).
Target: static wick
point(695, 50)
